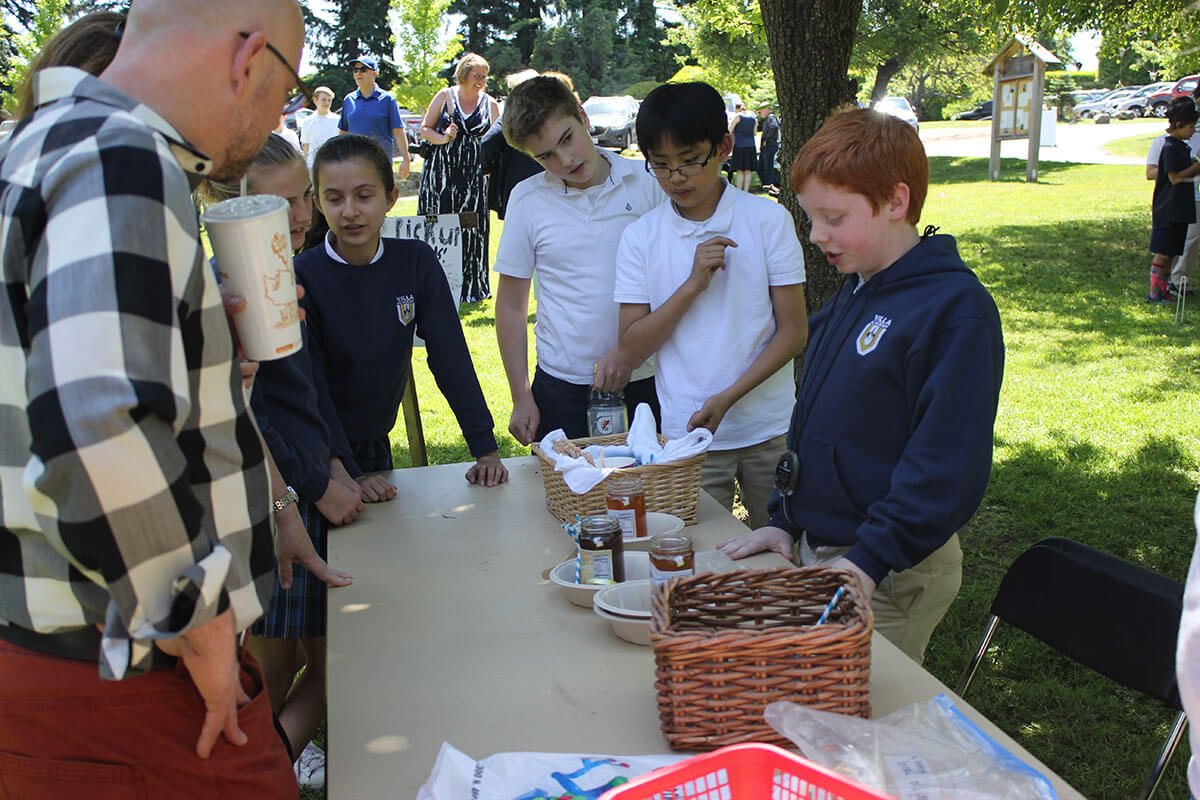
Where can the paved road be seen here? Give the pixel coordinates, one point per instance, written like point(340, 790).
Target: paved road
point(1081, 142)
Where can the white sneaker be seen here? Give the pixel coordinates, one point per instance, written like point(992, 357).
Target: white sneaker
point(310, 767)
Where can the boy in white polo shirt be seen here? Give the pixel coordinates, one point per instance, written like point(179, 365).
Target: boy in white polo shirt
point(319, 127)
point(713, 283)
point(564, 225)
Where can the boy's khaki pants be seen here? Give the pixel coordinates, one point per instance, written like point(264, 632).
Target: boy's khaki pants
point(908, 605)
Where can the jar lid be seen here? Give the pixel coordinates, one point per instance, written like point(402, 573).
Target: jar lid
point(671, 543)
point(599, 523)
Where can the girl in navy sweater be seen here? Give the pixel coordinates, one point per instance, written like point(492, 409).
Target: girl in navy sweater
point(366, 297)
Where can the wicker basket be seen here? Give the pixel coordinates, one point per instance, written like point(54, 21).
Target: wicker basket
point(726, 645)
point(673, 488)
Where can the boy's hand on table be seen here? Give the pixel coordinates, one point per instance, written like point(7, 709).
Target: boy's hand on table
point(710, 257)
point(864, 580)
point(340, 504)
point(337, 472)
point(376, 489)
point(710, 414)
point(612, 373)
point(523, 423)
point(488, 470)
point(766, 538)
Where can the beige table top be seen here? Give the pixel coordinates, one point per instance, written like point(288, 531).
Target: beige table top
point(453, 632)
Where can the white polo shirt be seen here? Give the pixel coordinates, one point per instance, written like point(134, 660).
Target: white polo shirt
point(569, 237)
point(315, 130)
point(729, 324)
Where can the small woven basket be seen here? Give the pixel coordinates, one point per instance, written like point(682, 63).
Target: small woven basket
point(726, 645)
point(673, 488)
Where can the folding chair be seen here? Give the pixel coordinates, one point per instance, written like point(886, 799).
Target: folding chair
point(1116, 618)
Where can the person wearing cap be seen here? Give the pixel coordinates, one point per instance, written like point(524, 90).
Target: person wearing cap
point(1172, 208)
point(373, 112)
point(768, 146)
point(319, 127)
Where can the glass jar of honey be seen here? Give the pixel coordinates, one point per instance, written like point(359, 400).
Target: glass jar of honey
point(627, 502)
point(671, 556)
point(601, 550)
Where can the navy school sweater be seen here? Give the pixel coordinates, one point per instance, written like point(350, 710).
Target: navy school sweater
point(363, 318)
point(893, 420)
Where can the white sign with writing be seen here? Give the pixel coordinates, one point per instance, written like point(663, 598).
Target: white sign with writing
point(442, 232)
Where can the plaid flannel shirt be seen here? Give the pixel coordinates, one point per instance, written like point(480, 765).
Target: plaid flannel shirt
point(133, 485)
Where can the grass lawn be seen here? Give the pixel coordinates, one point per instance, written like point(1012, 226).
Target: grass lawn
point(1131, 146)
point(1097, 440)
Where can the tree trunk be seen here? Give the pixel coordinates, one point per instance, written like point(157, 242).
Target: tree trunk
point(810, 43)
point(883, 76)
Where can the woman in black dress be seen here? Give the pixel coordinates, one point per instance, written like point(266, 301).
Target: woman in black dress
point(452, 180)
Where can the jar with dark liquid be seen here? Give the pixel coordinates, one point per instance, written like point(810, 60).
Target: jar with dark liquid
point(671, 556)
point(601, 550)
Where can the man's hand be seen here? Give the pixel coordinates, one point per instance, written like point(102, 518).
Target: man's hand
point(523, 423)
point(376, 489)
point(612, 373)
point(710, 414)
point(340, 504)
point(710, 257)
point(209, 652)
point(766, 538)
point(293, 546)
point(488, 470)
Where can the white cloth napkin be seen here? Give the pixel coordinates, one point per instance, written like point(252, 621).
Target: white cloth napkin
point(581, 477)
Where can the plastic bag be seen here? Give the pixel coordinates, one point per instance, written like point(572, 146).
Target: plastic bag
point(925, 751)
point(533, 776)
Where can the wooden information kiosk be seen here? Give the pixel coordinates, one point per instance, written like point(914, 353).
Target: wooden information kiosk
point(1019, 81)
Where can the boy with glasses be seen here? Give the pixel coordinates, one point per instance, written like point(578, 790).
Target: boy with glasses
point(713, 282)
point(371, 111)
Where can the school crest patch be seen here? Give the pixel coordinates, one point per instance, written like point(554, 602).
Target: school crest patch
point(406, 308)
point(874, 330)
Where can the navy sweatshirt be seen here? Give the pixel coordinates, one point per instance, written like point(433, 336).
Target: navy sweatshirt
point(893, 420)
point(363, 318)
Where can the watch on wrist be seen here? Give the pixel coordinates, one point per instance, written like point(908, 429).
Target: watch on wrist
point(285, 501)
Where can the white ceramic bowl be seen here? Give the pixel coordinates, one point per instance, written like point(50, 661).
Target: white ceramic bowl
point(618, 461)
point(632, 630)
point(628, 599)
point(656, 522)
point(637, 567)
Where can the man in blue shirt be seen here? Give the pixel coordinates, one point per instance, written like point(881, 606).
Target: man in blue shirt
point(373, 112)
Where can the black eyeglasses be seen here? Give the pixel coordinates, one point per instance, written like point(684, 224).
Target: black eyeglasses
point(687, 170)
point(361, 69)
point(297, 99)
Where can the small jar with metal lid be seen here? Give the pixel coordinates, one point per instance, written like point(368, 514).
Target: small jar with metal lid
point(601, 550)
point(671, 556)
point(627, 502)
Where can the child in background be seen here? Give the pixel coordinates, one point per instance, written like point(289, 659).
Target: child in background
point(1173, 207)
point(290, 638)
point(713, 283)
point(366, 297)
point(890, 443)
point(564, 225)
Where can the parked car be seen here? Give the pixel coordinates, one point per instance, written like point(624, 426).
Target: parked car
point(1161, 101)
point(1138, 102)
point(412, 126)
point(899, 108)
point(1104, 104)
point(1086, 95)
point(298, 116)
point(612, 121)
point(981, 111)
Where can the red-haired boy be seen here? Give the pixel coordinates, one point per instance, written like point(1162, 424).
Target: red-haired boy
point(890, 442)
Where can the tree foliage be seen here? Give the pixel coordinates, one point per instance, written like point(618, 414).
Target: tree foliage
point(44, 23)
point(422, 50)
point(727, 41)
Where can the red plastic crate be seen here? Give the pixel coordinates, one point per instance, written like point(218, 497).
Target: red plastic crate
point(744, 772)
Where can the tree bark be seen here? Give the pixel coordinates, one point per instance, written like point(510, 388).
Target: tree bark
point(810, 43)
point(883, 76)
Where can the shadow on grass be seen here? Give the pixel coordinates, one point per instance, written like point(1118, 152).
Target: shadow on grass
point(971, 169)
point(1138, 510)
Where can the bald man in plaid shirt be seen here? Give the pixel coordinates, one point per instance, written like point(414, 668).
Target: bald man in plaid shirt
point(135, 510)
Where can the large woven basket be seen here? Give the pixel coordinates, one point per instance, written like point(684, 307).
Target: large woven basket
point(673, 488)
point(726, 645)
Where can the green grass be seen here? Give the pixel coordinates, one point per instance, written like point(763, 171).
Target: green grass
point(1097, 440)
point(1131, 146)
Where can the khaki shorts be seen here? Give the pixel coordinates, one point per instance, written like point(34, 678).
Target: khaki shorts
point(754, 469)
point(908, 605)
